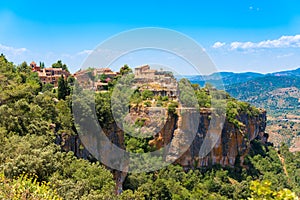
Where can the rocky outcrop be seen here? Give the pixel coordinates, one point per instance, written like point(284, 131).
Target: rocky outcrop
point(228, 144)
point(194, 140)
point(232, 142)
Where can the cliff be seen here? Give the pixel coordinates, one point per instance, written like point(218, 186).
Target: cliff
point(232, 142)
point(230, 147)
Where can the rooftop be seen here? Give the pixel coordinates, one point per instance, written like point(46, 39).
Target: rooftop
point(142, 66)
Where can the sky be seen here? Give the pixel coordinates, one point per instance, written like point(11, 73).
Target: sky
point(238, 35)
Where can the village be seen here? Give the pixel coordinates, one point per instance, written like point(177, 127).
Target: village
point(160, 82)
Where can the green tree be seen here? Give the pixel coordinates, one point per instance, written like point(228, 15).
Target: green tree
point(62, 88)
point(172, 107)
point(42, 65)
point(125, 70)
point(195, 86)
point(64, 118)
point(25, 187)
point(47, 87)
point(136, 97)
point(23, 67)
point(103, 77)
point(262, 190)
point(59, 64)
point(147, 94)
point(187, 95)
point(71, 80)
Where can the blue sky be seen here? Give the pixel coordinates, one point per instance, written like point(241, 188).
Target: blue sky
point(239, 35)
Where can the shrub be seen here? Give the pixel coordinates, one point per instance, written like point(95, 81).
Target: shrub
point(147, 94)
point(25, 187)
point(172, 107)
point(140, 122)
point(165, 98)
point(159, 103)
point(147, 103)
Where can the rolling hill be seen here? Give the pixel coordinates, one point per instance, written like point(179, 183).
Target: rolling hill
point(278, 93)
point(219, 80)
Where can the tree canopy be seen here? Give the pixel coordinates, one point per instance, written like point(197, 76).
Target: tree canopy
point(60, 64)
point(33, 165)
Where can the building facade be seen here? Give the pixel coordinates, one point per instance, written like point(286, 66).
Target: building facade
point(96, 79)
point(49, 75)
point(161, 83)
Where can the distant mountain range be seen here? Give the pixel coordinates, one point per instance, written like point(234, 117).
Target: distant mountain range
point(229, 78)
point(295, 72)
point(278, 93)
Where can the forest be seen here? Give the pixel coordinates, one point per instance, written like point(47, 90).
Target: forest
point(33, 166)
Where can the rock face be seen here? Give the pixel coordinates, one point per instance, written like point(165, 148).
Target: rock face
point(229, 144)
point(194, 140)
point(233, 142)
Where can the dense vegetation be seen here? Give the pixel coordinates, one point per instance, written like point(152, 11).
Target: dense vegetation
point(32, 166)
point(253, 90)
point(278, 93)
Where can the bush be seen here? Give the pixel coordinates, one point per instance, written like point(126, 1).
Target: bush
point(172, 107)
point(147, 94)
point(147, 103)
point(165, 98)
point(159, 103)
point(47, 87)
point(140, 122)
point(25, 187)
point(262, 190)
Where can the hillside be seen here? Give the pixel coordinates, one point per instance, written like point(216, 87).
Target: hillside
point(276, 92)
point(224, 78)
point(42, 156)
point(280, 96)
point(258, 86)
point(295, 72)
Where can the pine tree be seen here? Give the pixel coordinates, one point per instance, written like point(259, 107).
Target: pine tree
point(62, 88)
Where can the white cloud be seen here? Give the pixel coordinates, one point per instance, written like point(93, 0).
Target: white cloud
point(218, 45)
point(285, 55)
point(252, 8)
point(85, 52)
point(12, 50)
point(282, 42)
point(242, 45)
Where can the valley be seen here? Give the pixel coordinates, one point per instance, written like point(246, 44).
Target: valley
point(278, 93)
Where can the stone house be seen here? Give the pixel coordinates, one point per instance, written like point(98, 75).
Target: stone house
point(106, 71)
point(90, 78)
point(49, 75)
point(161, 83)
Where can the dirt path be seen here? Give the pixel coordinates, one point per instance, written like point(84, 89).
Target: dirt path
point(283, 166)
